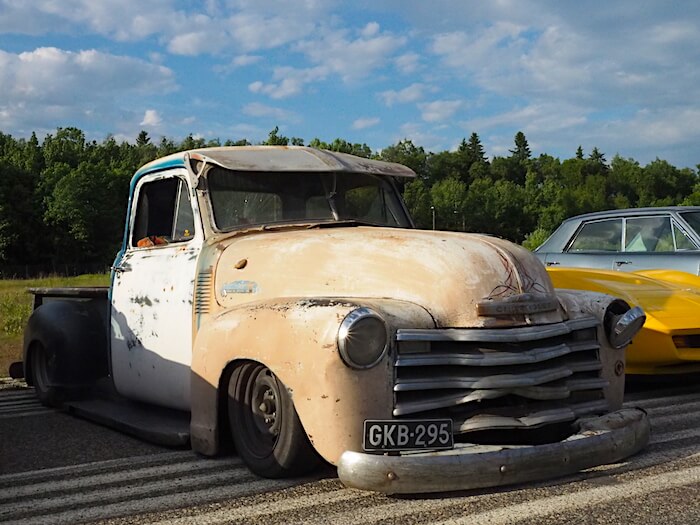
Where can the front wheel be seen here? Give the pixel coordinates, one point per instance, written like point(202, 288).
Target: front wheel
point(265, 426)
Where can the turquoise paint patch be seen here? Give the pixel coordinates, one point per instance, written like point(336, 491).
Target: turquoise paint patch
point(239, 287)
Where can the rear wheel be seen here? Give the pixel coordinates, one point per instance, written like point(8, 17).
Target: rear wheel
point(265, 426)
point(42, 363)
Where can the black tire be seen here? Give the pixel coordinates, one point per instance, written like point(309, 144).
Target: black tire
point(42, 363)
point(265, 426)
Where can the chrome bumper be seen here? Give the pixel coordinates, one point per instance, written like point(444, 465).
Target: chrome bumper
point(600, 440)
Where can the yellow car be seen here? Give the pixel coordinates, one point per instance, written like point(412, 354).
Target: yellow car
point(669, 342)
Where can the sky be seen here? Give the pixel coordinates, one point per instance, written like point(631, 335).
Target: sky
point(621, 76)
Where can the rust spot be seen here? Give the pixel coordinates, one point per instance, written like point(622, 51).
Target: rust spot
point(241, 264)
point(142, 300)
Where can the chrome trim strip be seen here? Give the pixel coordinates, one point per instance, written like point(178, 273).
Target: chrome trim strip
point(494, 358)
point(505, 335)
point(539, 393)
point(506, 379)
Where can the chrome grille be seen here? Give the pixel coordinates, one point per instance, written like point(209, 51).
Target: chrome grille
point(505, 378)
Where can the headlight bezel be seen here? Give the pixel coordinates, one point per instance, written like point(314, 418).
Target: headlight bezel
point(350, 321)
point(622, 323)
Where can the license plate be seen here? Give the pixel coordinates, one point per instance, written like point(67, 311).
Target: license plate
point(420, 434)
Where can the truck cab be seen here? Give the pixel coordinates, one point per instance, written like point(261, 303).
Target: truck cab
point(281, 297)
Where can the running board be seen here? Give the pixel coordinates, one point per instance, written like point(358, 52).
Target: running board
point(161, 426)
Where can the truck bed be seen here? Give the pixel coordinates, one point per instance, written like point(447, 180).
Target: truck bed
point(74, 292)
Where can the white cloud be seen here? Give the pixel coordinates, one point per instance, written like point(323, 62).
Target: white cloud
point(439, 110)
point(49, 86)
point(365, 122)
point(289, 81)
point(408, 63)
point(411, 93)
point(50, 75)
point(256, 109)
point(207, 28)
point(352, 58)
point(151, 118)
point(237, 62)
point(370, 30)
point(245, 60)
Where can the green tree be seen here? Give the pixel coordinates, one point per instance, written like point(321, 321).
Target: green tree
point(417, 198)
point(406, 153)
point(448, 196)
point(275, 139)
point(86, 209)
point(522, 148)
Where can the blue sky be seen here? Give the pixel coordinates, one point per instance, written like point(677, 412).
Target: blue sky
point(621, 76)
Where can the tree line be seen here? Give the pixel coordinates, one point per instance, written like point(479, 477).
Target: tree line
point(63, 200)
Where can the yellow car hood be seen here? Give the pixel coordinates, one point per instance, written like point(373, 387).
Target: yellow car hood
point(671, 298)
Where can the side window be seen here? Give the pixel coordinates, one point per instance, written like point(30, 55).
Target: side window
point(648, 234)
point(163, 214)
point(683, 242)
point(598, 236)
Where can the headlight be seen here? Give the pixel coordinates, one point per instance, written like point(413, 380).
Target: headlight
point(362, 338)
point(623, 323)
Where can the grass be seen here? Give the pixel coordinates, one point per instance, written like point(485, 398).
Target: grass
point(16, 305)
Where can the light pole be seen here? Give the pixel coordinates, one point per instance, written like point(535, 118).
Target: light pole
point(432, 209)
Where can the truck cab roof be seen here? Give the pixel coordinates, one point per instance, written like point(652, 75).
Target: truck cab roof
point(279, 159)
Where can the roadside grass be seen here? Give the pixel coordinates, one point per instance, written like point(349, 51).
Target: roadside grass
point(16, 305)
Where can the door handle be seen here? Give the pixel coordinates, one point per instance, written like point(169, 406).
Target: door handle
point(118, 268)
point(620, 263)
point(552, 263)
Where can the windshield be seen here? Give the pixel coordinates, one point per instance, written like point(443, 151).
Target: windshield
point(253, 198)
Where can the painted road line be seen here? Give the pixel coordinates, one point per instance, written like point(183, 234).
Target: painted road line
point(94, 481)
point(105, 510)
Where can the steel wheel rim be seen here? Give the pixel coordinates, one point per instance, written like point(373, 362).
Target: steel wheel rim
point(261, 424)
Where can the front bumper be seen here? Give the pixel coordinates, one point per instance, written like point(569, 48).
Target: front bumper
point(599, 440)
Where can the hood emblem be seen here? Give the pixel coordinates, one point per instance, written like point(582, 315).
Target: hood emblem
point(239, 287)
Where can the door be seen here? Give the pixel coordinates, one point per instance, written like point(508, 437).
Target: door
point(151, 315)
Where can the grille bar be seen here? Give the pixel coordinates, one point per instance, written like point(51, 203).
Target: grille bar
point(485, 357)
point(557, 391)
point(531, 420)
point(503, 335)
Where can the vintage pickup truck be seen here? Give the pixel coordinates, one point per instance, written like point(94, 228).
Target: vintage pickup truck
point(281, 298)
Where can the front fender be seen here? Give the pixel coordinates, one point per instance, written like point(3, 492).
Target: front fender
point(296, 339)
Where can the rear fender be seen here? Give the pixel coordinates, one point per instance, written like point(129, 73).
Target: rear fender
point(75, 337)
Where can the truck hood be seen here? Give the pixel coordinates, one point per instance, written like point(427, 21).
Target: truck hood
point(447, 273)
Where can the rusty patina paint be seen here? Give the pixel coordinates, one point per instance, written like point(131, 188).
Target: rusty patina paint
point(296, 339)
point(447, 273)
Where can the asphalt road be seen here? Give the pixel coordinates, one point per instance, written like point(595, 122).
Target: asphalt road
point(57, 469)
